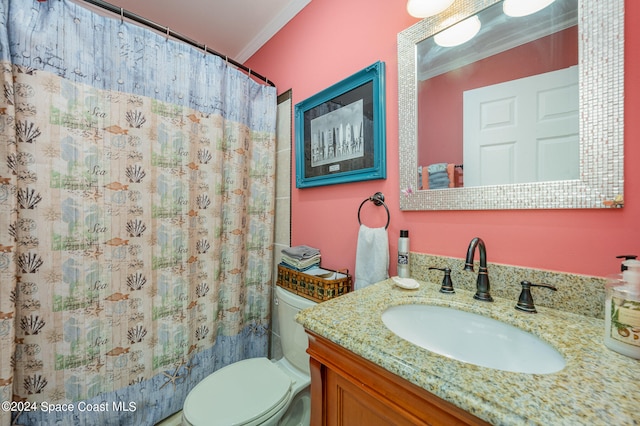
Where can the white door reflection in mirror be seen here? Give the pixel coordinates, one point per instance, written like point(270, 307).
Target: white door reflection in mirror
point(524, 130)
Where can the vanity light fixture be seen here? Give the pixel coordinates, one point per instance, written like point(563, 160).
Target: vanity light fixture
point(518, 8)
point(426, 8)
point(458, 34)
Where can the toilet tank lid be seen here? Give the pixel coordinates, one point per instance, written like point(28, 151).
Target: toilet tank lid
point(294, 300)
point(238, 393)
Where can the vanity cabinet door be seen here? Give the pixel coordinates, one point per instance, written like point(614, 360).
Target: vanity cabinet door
point(348, 390)
point(348, 404)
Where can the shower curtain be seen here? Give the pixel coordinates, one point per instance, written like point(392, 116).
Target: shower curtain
point(136, 217)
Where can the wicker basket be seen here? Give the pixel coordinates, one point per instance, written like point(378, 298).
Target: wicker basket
point(313, 287)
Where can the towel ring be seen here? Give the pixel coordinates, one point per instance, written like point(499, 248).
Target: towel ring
point(378, 200)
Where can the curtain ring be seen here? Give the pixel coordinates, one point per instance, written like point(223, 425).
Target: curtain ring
point(205, 50)
point(122, 15)
point(167, 33)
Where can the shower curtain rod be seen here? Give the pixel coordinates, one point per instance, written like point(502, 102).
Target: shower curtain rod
point(144, 21)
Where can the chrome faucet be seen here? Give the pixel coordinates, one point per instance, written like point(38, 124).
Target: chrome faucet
point(482, 285)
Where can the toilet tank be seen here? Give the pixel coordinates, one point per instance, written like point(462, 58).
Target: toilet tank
point(292, 336)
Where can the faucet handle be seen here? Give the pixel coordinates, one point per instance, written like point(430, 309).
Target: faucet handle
point(525, 301)
point(447, 284)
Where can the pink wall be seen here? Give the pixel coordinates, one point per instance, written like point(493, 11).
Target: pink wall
point(332, 39)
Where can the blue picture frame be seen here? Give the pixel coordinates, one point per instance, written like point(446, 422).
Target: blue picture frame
point(341, 131)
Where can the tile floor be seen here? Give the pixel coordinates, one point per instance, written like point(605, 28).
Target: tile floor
point(175, 420)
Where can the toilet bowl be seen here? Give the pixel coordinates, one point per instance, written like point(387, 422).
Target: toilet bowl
point(259, 391)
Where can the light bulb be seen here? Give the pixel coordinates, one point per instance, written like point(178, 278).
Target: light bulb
point(518, 8)
point(458, 34)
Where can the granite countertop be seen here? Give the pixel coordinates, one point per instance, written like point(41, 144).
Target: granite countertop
point(597, 386)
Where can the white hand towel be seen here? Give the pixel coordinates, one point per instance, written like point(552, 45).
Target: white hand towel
point(372, 256)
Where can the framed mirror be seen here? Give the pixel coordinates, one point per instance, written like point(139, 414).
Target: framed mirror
point(585, 39)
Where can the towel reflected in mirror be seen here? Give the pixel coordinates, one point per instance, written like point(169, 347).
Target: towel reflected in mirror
point(440, 176)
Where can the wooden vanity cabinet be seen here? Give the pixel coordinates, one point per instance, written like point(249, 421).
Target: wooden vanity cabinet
point(349, 390)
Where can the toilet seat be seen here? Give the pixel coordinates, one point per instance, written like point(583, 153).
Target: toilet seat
point(244, 393)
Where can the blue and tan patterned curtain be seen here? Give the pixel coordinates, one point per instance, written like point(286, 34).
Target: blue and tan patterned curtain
point(136, 217)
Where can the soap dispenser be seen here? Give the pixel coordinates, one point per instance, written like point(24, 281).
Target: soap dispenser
point(622, 310)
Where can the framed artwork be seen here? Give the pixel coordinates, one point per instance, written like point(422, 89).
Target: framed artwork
point(341, 131)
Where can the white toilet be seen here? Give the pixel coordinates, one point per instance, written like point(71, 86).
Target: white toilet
point(258, 391)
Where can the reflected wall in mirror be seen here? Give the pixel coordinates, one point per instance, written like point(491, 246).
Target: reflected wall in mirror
point(569, 154)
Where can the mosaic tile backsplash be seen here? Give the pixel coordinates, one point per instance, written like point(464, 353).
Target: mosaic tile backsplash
point(579, 294)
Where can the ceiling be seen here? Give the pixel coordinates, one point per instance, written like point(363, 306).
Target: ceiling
point(235, 28)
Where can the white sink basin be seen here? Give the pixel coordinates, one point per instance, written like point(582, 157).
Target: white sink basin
point(473, 339)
